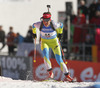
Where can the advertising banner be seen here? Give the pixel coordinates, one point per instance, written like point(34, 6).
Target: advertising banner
point(82, 71)
point(17, 67)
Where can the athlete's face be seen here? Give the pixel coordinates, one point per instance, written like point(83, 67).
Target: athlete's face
point(46, 23)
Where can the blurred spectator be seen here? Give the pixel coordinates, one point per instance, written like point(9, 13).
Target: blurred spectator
point(96, 20)
point(83, 8)
point(88, 50)
point(72, 16)
point(97, 42)
point(19, 38)
point(64, 40)
point(92, 9)
point(97, 37)
point(2, 37)
point(10, 41)
point(98, 5)
point(78, 23)
point(29, 38)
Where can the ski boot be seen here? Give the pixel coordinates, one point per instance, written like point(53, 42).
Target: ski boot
point(67, 75)
point(51, 75)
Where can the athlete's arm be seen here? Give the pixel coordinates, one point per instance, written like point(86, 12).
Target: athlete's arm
point(60, 31)
point(58, 27)
point(34, 27)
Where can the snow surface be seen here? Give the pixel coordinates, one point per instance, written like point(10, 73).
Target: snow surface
point(10, 83)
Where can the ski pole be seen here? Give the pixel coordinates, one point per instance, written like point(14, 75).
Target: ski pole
point(62, 53)
point(34, 50)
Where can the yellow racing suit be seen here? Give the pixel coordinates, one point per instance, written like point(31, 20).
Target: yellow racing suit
point(49, 40)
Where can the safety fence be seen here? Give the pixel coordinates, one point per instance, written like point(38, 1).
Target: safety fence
point(83, 44)
point(83, 54)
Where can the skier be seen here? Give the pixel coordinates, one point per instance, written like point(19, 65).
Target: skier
point(51, 33)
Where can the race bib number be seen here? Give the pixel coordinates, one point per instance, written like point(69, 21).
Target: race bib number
point(47, 35)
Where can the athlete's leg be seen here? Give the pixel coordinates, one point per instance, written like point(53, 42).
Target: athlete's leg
point(57, 51)
point(47, 62)
point(45, 52)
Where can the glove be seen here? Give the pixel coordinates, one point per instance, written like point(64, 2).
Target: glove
point(60, 36)
point(34, 36)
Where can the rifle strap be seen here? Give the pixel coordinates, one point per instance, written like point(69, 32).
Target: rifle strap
point(51, 24)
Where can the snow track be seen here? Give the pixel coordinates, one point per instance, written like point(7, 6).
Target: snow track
point(10, 83)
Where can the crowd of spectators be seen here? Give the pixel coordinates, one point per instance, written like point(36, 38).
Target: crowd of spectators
point(83, 27)
point(2, 37)
point(12, 39)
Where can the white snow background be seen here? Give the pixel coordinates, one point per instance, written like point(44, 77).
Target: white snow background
point(10, 83)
